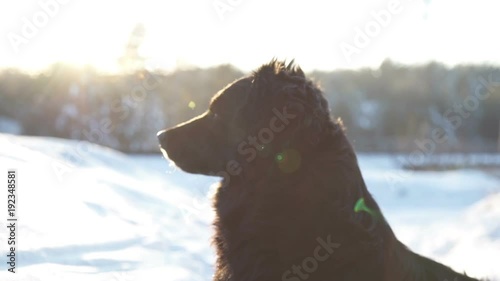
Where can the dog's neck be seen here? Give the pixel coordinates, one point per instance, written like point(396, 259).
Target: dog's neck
point(263, 212)
point(333, 166)
point(323, 192)
point(332, 170)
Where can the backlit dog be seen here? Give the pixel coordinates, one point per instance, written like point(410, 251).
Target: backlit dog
point(292, 204)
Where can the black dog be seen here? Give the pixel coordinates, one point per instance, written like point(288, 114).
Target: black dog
point(292, 204)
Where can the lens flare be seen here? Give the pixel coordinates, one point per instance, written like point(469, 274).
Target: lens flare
point(279, 157)
point(192, 104)
point(288, 161)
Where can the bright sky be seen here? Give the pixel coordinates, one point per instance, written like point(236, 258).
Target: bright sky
point(319, 34)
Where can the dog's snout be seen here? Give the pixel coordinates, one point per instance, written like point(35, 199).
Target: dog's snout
point(170, 142)
point(186, 145)
point(162, 137)
point(165, 141)
point(171, 145)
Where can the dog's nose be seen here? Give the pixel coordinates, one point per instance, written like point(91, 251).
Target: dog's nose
point(162, 136)
point(170, 144)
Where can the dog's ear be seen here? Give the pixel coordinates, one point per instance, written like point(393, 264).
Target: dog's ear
point(307, 101)
point(287, 84)
point(272, 85)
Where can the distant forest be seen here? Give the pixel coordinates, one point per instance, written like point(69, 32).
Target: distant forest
point(394, 108)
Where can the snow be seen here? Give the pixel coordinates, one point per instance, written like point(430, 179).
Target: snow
point(91, 213)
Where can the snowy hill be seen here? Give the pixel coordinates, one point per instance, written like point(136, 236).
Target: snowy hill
point(90, 213)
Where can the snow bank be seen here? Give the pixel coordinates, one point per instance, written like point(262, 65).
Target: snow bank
point(91, 213)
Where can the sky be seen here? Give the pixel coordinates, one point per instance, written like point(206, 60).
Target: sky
point(324, 35)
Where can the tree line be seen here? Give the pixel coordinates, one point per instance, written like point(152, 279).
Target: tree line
point(394, 108)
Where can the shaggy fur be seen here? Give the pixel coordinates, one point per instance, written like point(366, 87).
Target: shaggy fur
point(286, 205)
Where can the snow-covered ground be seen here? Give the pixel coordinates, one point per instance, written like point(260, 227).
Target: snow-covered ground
point(90, 213)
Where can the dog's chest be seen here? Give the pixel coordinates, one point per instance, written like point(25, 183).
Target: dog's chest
point(259, 218)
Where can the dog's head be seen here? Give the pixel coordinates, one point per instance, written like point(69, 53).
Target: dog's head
point(274, 115)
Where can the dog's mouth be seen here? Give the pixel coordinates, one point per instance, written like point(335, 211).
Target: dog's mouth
point(171, 163)
point(164, 153)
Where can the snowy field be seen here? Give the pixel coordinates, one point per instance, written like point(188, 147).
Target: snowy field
point(90, 213)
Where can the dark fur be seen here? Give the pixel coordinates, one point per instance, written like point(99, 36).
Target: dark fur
point(270, 213)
